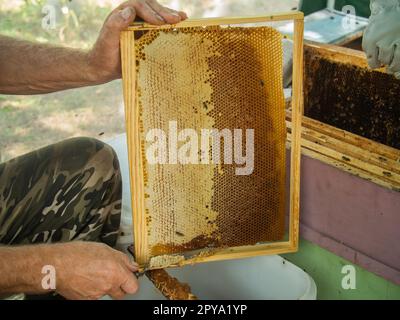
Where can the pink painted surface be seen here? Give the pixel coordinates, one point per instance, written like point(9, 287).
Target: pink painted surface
point(351, 217)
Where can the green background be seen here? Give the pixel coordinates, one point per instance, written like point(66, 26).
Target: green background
point(325, 268)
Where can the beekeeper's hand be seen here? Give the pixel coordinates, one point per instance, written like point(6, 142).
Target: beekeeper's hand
point(89, 270)
point(105, 54)
point(381, 41)
point(75, 270)
point(32, 68)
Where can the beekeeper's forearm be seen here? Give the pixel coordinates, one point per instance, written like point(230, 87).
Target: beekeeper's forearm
point(32, 68)
point(21, 269)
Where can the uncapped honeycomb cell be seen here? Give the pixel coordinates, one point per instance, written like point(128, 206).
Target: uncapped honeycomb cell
point(225, 79)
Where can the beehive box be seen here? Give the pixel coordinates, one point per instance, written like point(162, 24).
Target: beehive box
point(350, 203)
point(199, 96)
point(352, 114)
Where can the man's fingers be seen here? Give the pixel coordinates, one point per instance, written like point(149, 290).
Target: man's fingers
point(144, 11)
point(152, 12)
point(117, 293)
point(120, 19)
point(169, 15)
point(127, 282)
point(131, 284)
point(183, 15)
point(128, 14)
point(116, 22)
point(130, 264)
point(132, 267)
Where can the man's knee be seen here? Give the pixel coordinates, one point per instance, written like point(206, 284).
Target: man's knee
point(76, 190)
point(94, 190)
point(85, 153)
point(96, 168)
point(101, 189)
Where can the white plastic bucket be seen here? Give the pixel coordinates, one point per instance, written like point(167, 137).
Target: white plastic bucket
point(260, 278)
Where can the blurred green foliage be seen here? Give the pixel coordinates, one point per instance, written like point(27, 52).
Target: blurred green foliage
point(77, 22)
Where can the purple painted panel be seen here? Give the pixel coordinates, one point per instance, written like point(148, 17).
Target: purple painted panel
point(352, 217)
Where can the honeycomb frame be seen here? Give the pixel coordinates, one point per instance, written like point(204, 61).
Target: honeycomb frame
point(133, 127)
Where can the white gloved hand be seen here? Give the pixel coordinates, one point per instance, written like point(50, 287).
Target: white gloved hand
point(381, 41)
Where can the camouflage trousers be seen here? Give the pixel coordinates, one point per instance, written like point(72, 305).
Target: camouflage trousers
point(67, 191)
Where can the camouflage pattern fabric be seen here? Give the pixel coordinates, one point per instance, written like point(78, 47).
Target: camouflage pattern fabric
point(67, 191)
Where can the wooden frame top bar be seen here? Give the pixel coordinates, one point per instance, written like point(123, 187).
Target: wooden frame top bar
point(285, 16)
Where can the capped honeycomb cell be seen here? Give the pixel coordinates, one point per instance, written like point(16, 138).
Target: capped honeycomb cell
point(227, 81)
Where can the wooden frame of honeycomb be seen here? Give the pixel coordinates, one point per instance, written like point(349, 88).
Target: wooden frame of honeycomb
point(135, 152)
